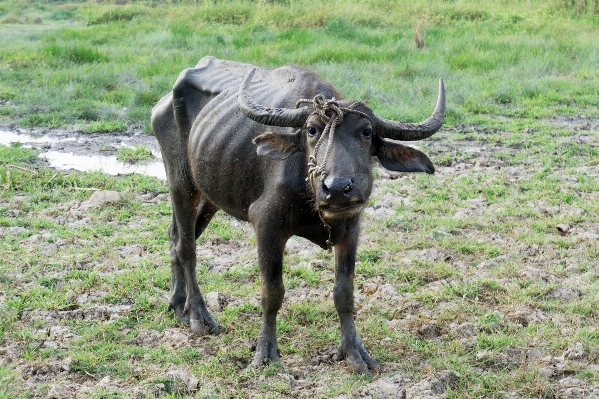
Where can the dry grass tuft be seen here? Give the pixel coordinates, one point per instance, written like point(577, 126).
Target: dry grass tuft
point(418, 39)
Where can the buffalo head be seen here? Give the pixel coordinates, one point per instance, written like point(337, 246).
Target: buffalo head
point(339, 139)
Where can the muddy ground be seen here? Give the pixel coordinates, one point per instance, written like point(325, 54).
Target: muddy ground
point(560, 368)
point(72, 140)
point(65, 149)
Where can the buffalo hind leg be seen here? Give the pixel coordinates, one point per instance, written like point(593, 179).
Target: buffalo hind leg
point(178, 293)
point(190, 218)
point(270, 257)
point(350, 348)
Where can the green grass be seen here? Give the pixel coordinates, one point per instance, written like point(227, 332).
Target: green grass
point(480, 277)
point(135, 154)
point(474, 243)
point(103, 66)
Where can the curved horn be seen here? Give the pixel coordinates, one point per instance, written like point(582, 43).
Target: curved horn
point(414, 131)
point(269, 116)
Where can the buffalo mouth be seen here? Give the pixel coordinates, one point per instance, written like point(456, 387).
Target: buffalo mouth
point(341, 209)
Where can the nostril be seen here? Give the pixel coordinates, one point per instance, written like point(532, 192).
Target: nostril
point(337, 188)
point(348, 187)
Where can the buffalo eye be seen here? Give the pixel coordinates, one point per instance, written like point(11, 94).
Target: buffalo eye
point(367, 133)
point(311, 131)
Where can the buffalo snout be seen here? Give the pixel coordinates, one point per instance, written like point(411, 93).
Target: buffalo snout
point(336, 189)
point(340, 197)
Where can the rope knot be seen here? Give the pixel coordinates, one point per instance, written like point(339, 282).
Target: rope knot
point(322, 106)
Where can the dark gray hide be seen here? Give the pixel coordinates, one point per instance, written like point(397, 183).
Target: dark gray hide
point(212, 163)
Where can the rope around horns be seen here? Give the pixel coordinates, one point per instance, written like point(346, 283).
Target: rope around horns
point(322, 106)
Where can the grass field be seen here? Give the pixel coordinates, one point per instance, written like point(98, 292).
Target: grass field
point(478, 282)
point(104, 65)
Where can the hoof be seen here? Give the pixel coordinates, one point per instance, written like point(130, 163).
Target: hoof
point(266, 353)
point(359, 360)
point(258, 362)
point(359, 366)
point(201, 328)
point(179, 308)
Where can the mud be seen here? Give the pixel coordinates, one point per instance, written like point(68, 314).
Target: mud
point(70, 149)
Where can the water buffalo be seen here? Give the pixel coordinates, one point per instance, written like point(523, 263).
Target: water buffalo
point(280, 149)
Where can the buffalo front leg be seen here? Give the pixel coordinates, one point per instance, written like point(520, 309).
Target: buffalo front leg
point(350, 348)
point(189, 220)
point(270, 257)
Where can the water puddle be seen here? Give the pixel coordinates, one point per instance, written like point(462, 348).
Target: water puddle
point(6, 138)
point(88, 152)
point(106, 163)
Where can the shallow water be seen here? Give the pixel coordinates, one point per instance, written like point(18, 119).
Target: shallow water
point(106, 163)
point(6, 138)
point(81, 152)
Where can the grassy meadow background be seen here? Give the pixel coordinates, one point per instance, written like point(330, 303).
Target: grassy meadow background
point(103, 65)
point(464, 272)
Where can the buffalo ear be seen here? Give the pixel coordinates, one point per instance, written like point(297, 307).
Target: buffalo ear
point(277, 145)
point(401, 158)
